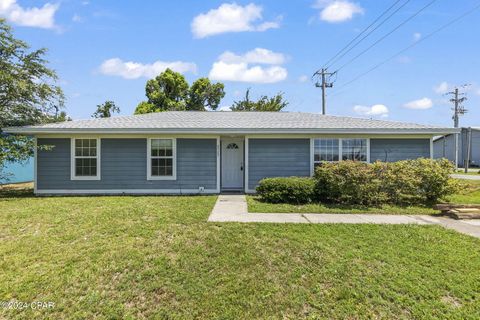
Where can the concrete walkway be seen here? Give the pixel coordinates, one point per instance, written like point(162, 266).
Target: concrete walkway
point(466, 176)
point(233, 208)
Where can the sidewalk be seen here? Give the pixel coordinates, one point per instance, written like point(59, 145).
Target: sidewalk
point(465, 176)
point(233, 208)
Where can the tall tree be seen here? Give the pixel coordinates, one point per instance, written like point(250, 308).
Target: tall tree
point(28, 94)
point(203, 94)
point(275, 103)
point(170, 91)
point(105, 110)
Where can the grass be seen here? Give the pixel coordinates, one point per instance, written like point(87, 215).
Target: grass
point(473, 173)
point(158, 258)
point(470, 193)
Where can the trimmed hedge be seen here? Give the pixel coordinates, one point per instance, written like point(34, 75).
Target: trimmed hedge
point(350, 182)
point(408, 182)
point(287, 190)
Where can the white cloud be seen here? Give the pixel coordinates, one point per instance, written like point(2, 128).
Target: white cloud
point(243, 73)
point(441, 88)
point(257, 55)
point(43, 17)
point(231, 17)
point(77, 18)
point(303, 78)
point(134, 70)
point(420, 104)
point(233, 67)
point(335, 11)
point(417, 36)
point(378, 110)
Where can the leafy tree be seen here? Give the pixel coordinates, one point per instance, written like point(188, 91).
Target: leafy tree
point(145, 107)
point(203, 94)
point(105, 110)
point(28, 94)
point(170, 91)
point(275, 103)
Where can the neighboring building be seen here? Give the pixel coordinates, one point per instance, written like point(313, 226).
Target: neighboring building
point(210, 152)
point(444, 147)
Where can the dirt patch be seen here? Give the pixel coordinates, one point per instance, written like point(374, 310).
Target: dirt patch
point(16, 186)
point(451, 301)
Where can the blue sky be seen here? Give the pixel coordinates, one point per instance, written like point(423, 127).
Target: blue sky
point(106, 50)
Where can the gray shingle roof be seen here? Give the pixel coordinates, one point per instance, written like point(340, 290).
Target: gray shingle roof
point(240, 122)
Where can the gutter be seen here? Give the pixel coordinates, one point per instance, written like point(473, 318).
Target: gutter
point(39, 130)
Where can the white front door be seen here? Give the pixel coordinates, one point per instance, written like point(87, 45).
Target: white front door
point(232, 164)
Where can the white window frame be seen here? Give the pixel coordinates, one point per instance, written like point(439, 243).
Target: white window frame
point(73, 175)
point(367, 151)
point(340, 149)
point(149, 159)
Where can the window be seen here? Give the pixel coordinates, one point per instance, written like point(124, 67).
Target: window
point(331, 149)
point(326, 150)
point(161, 159)
point(232, 146)
point(354, 149)
point(85, 155)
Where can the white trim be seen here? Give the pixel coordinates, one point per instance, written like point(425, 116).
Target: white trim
point(149, 159)
point(312, 156)
point(239, 131)
point(126, 191)
point(35, 167)
point(128, 136)
point(73, 176)
point(245, 182)
point(218, 164)
point(340, 149)
point(368, 150)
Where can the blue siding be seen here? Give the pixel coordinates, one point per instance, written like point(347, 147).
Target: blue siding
point(277, 158)
point(445, 147)
point(123, 166)
point(391, 150)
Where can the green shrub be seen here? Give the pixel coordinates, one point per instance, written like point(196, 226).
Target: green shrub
point(420, 181)
point(350, 182)
point(287, 190)
point(408, 182)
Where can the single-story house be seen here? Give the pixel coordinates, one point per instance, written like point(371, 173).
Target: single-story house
point(444, 146)
point(209, 152)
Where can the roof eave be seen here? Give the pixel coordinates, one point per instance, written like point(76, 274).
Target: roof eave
point(35, 131)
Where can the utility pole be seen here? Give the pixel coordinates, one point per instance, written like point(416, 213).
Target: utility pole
point(324, 84)
point(458, 109)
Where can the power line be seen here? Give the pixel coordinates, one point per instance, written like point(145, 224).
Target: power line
point(460, 17)
point(388, 34)
point(341, 53)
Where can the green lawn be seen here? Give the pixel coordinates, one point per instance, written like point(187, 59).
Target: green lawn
point(462, 171)
point(158, 258)
point(470, 193)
